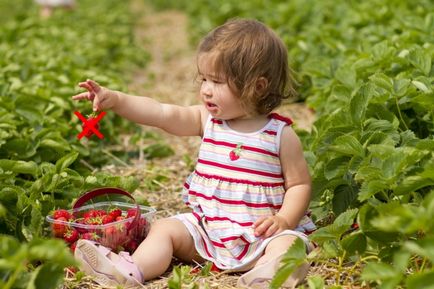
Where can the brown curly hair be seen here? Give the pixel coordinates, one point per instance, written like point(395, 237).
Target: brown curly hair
point(247, 51)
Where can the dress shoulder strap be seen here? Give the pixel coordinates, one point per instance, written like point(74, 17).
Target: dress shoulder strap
point(277, 116)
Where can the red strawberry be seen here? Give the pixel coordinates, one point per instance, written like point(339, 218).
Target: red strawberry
point(90, 236)
point(91, 123)
point(131, 246)
point(59, 227)
point(90, 214)
point(235, 153)
point(120, 218)
point(107, 219)
point(115, 213)
point(70, 236)
point(61, 213)
point(131, 212)
point(73, 246)
point(100, 213)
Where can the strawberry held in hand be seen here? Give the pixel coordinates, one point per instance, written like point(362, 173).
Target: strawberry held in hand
point(91, 123)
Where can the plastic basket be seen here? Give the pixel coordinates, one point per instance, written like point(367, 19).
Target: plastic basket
point(124, 234)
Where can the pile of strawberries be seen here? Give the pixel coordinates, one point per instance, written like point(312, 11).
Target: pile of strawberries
point(112, 228)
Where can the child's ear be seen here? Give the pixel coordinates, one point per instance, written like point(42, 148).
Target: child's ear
point(261, 85)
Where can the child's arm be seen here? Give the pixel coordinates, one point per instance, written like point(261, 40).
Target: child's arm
point(297, 184)
point(177, 120)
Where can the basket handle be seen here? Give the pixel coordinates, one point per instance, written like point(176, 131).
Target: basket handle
point(108, 191)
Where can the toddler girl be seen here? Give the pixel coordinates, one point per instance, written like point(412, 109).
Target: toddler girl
point(251, 187)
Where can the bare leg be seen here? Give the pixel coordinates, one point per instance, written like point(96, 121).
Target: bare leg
point(167, 237)
point(275, 248)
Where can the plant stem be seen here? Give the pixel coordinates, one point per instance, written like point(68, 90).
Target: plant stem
point(399, 113)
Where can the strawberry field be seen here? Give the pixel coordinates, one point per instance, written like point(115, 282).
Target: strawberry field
point(364, 67)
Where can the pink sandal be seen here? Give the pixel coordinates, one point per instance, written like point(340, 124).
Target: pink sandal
point(108, 268)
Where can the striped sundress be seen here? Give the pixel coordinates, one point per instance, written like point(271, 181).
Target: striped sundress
point(237, 179)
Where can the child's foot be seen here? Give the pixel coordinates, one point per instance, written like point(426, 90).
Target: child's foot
point(260, 277)
point(108, 268)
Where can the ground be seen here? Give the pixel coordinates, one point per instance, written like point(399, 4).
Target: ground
point(169, 77)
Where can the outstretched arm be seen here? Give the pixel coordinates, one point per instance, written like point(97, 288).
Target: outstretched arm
point(297, 185)
point(175, 119)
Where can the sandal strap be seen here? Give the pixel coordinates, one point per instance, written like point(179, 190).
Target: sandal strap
point(126, 256)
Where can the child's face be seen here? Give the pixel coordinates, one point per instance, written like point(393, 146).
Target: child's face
point(215, 93)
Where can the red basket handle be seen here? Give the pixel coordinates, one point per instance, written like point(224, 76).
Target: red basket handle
point(107, 191)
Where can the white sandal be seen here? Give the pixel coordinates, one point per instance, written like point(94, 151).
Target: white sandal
point(261, 276)
point(109, 269)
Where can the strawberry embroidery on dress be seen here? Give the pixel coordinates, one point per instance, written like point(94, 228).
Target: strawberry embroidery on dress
point(235, 153)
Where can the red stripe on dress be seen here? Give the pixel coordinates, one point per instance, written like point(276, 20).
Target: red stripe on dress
point(243, 224)
point(238, 181)
point(244, 147)
point(270, 132)
point(244, 252)
point(280, 117)
point(218, 121)
point(231, 238)
point(196, 216)
point(244, 170)
point(217, 244)
point(206, 248)
point(232, 202)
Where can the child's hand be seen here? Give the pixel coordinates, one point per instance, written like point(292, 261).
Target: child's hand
point(268, 226)
point(101, 97)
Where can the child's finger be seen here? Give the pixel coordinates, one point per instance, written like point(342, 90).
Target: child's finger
point(80, 96)
point(271, 230)
point(259, 222)
point(96, 103)
point(94, 85)
point(85, 85)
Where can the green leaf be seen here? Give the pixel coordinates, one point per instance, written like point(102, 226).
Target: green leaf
point(315, 282)
point(411, 184)
point(366, 214)
point(421, 86)
point(369, 189)
point(348, 145)
point(335, 230)
point(346, 75)
point(354, 243)
point(336, 167)
point(400, 86)
point(359, 103)
point(19, 167)
point(419, 280)
point(56, 145)
point(420, 60)
point(47, 276)
point(343, 197)
point(66, 161)
point(293, 258)
point(382, 80)
point(383, 273)
point(423, 247)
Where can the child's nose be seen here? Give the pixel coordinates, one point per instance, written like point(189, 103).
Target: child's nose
point(207, 89)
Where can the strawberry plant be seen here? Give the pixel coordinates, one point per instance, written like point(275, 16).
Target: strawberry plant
point(42, 164)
